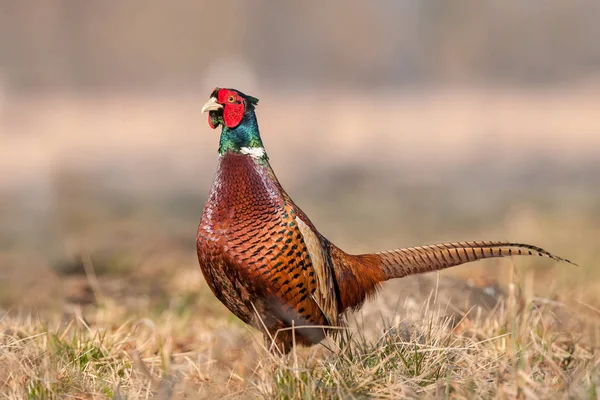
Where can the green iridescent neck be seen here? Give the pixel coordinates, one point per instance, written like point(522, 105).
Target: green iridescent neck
point(244, 136)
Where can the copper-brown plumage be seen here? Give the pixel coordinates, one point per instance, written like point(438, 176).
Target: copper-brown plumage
point(264, 259)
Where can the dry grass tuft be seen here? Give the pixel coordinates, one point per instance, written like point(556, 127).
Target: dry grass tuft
point(516, 351)
point(528, 349)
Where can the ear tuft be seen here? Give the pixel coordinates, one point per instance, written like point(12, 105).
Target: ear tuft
point(252, 100)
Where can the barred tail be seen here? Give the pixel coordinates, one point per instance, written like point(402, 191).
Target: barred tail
point(416, 260)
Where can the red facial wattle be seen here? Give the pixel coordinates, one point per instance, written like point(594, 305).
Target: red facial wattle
point(233, 114)
point(233, 110)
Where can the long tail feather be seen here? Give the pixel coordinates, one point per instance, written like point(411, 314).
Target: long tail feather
point(416, 260)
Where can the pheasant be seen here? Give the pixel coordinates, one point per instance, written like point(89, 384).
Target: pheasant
point(266, 262)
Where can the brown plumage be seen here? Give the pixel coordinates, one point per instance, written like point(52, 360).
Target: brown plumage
point(264, 259)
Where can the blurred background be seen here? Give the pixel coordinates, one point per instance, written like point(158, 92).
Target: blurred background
point(391, 123)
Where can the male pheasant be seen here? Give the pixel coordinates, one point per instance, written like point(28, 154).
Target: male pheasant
point(266, 262)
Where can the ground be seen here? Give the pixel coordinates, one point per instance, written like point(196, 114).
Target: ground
point(441, 337)
point(101, 295)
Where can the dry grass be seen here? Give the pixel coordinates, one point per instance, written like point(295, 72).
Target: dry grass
point(521, 348)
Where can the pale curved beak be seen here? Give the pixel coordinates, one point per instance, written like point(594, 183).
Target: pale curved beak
point(211, 105)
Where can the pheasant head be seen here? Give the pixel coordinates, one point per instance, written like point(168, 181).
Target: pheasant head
point(234, 111)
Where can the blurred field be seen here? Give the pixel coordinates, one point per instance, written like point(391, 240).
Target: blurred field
point(101, 196)
point(391, 123)
point(421, 131)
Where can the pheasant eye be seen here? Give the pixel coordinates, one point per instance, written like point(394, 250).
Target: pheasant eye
point(231, 99)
